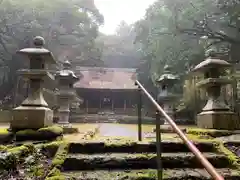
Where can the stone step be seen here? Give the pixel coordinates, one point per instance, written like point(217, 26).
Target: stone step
point(139, 161)
point(151, 174)
point(136, 147)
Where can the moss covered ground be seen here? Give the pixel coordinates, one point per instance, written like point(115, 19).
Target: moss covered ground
point(45, 159)
point(42, 160)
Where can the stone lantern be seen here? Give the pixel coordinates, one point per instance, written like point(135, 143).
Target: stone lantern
point(166, 96)
point(34, 113)
point(215, 114)
point(66, 95)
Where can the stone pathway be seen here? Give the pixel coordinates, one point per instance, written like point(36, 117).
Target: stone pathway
point(114, 130)
point(235, 137)
point(232, 143)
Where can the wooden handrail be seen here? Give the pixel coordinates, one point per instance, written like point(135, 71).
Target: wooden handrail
point(206, 164)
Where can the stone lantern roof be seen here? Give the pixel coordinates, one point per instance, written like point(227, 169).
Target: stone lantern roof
point(67, 65)
point(167, 76)
point(38, 50)
point(211, 63)
point(66, 72)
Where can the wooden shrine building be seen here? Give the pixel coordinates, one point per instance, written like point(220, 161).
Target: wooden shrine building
point(107, 89)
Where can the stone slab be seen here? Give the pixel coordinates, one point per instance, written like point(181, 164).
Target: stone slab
point(27, 117)
point(218, 120)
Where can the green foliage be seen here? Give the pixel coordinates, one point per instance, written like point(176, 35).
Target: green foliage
point(178, 32)
point(181, 32)
point(69, 28)
point(118, 49)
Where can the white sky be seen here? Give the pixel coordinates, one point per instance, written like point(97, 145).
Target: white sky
point(116, 10)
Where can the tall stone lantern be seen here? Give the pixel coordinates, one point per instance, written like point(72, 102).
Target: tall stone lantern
point(166, 96)
point(34, 113)
point(215, 114)
point(66, 95)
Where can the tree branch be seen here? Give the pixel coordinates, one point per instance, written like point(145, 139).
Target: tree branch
point(210, 35)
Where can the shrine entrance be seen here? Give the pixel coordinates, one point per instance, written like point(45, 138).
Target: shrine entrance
point(106, 103)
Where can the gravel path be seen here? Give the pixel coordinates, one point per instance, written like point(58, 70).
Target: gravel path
point(114, 130)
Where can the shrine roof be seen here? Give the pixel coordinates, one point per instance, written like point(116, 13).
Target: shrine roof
point(106, 78)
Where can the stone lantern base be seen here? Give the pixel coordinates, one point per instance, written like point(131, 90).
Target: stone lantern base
point(63, 118)
point(218, 120)
point(27, 117)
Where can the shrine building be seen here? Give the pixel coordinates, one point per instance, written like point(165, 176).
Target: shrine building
point(107, 89)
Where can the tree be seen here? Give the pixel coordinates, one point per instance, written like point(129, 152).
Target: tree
point(69, 28)
point(178, 33)
point(118, 49)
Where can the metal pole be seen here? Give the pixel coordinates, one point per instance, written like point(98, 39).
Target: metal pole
point(207, 165)
point(139, 114)
point(158, 146)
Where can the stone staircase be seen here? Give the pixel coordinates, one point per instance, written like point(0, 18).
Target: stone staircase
point(109, 161)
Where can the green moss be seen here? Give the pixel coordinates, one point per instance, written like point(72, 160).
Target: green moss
point(54, 144)
point(54, 172)
point(4, 131)
point(119, 143)
point(141, 175)
point(22, 150)
point(70, 130)
point(148, 174)
point(58, 160)
point(46, 133)
point(3, 148)
point(5, 136)
point(61, 154)
point(56, 178)
point(200, 138)
point(52, 129)
point(17, 150)
point(26, 132)
point(208, 132)
point(198, 134)
point(14, 155)
point(233, 159)
point(37, 171)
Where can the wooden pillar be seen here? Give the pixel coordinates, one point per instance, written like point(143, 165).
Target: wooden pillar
point(125, 104)
point(100, 102)
point(87, 106)
point(112, 104)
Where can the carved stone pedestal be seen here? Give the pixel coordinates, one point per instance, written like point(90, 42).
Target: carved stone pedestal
point(27, 117)
point(218, 120)
point(64, 118)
